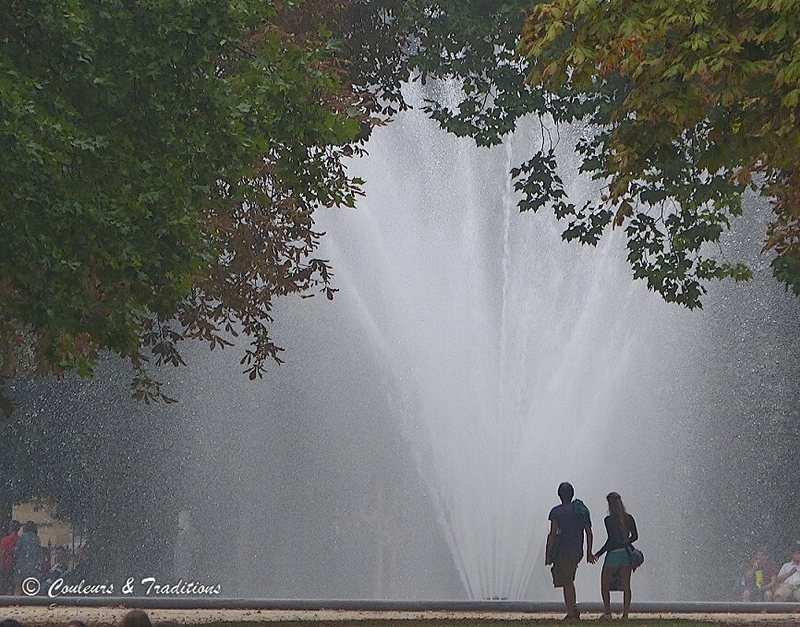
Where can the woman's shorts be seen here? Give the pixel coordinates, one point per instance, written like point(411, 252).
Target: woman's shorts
point(617, 558)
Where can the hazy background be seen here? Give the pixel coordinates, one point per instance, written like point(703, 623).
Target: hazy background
point(411, 445)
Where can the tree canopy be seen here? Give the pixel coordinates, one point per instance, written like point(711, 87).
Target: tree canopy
point(692, 104)
point(161, 162)
point(162, 159)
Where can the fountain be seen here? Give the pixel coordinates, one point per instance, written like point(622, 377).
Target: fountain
point(492, 359)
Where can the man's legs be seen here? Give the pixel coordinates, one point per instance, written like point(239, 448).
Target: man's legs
point(569, 599)
point(564, 567)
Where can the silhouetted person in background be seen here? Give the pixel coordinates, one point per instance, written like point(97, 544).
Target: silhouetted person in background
point(8, 546)
point(789, 579)
point(81, 571)
point(185, 542)
point(569, 522)
point(26, 559)
point(760, 578)
point(60, 566)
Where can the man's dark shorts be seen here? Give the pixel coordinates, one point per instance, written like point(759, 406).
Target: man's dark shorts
point(564, 567)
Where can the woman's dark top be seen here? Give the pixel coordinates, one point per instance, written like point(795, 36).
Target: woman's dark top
point(617, 538)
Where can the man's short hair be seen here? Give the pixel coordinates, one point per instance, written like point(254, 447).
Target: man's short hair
point(566, 492)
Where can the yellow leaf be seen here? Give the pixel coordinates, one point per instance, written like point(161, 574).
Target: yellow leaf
point(625, 211)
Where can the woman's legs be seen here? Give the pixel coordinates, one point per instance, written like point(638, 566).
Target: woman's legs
point(605, 587)
point(625, 580)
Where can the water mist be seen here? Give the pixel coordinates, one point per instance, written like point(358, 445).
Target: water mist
point(470, 362)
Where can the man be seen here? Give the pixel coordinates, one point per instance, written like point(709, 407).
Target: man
point(789, 579)
point(569, 522)
point(8, 546)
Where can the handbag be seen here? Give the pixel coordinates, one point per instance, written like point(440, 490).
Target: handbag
point(636, 556)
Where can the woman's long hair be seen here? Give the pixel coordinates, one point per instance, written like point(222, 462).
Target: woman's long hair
point(616, 509)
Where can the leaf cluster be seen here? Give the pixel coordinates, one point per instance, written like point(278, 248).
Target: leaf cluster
point(694, 103)
point(161, 162)
point(472, 43)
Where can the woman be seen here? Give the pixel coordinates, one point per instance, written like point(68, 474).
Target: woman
point(621, 528)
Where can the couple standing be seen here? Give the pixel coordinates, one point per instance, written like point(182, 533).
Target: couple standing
point(569, 522)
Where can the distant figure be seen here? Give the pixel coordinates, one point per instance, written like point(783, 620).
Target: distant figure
point(81, 571)
point(45, 558)
point(8, 546)
point(10, 622)
point(135, 618)
point(569, 522)
point(75, 623)
point(60, 567)
point(185, 542)
point(789, 579)
point(622, 532)
point(26, 556)
point(760, 578)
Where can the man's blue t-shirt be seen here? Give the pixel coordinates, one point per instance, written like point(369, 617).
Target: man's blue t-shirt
point(570, 527)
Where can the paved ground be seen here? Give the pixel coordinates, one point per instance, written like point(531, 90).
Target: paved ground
point(109, 615)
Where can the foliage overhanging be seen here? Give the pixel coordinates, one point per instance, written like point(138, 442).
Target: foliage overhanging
point(162, 159)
